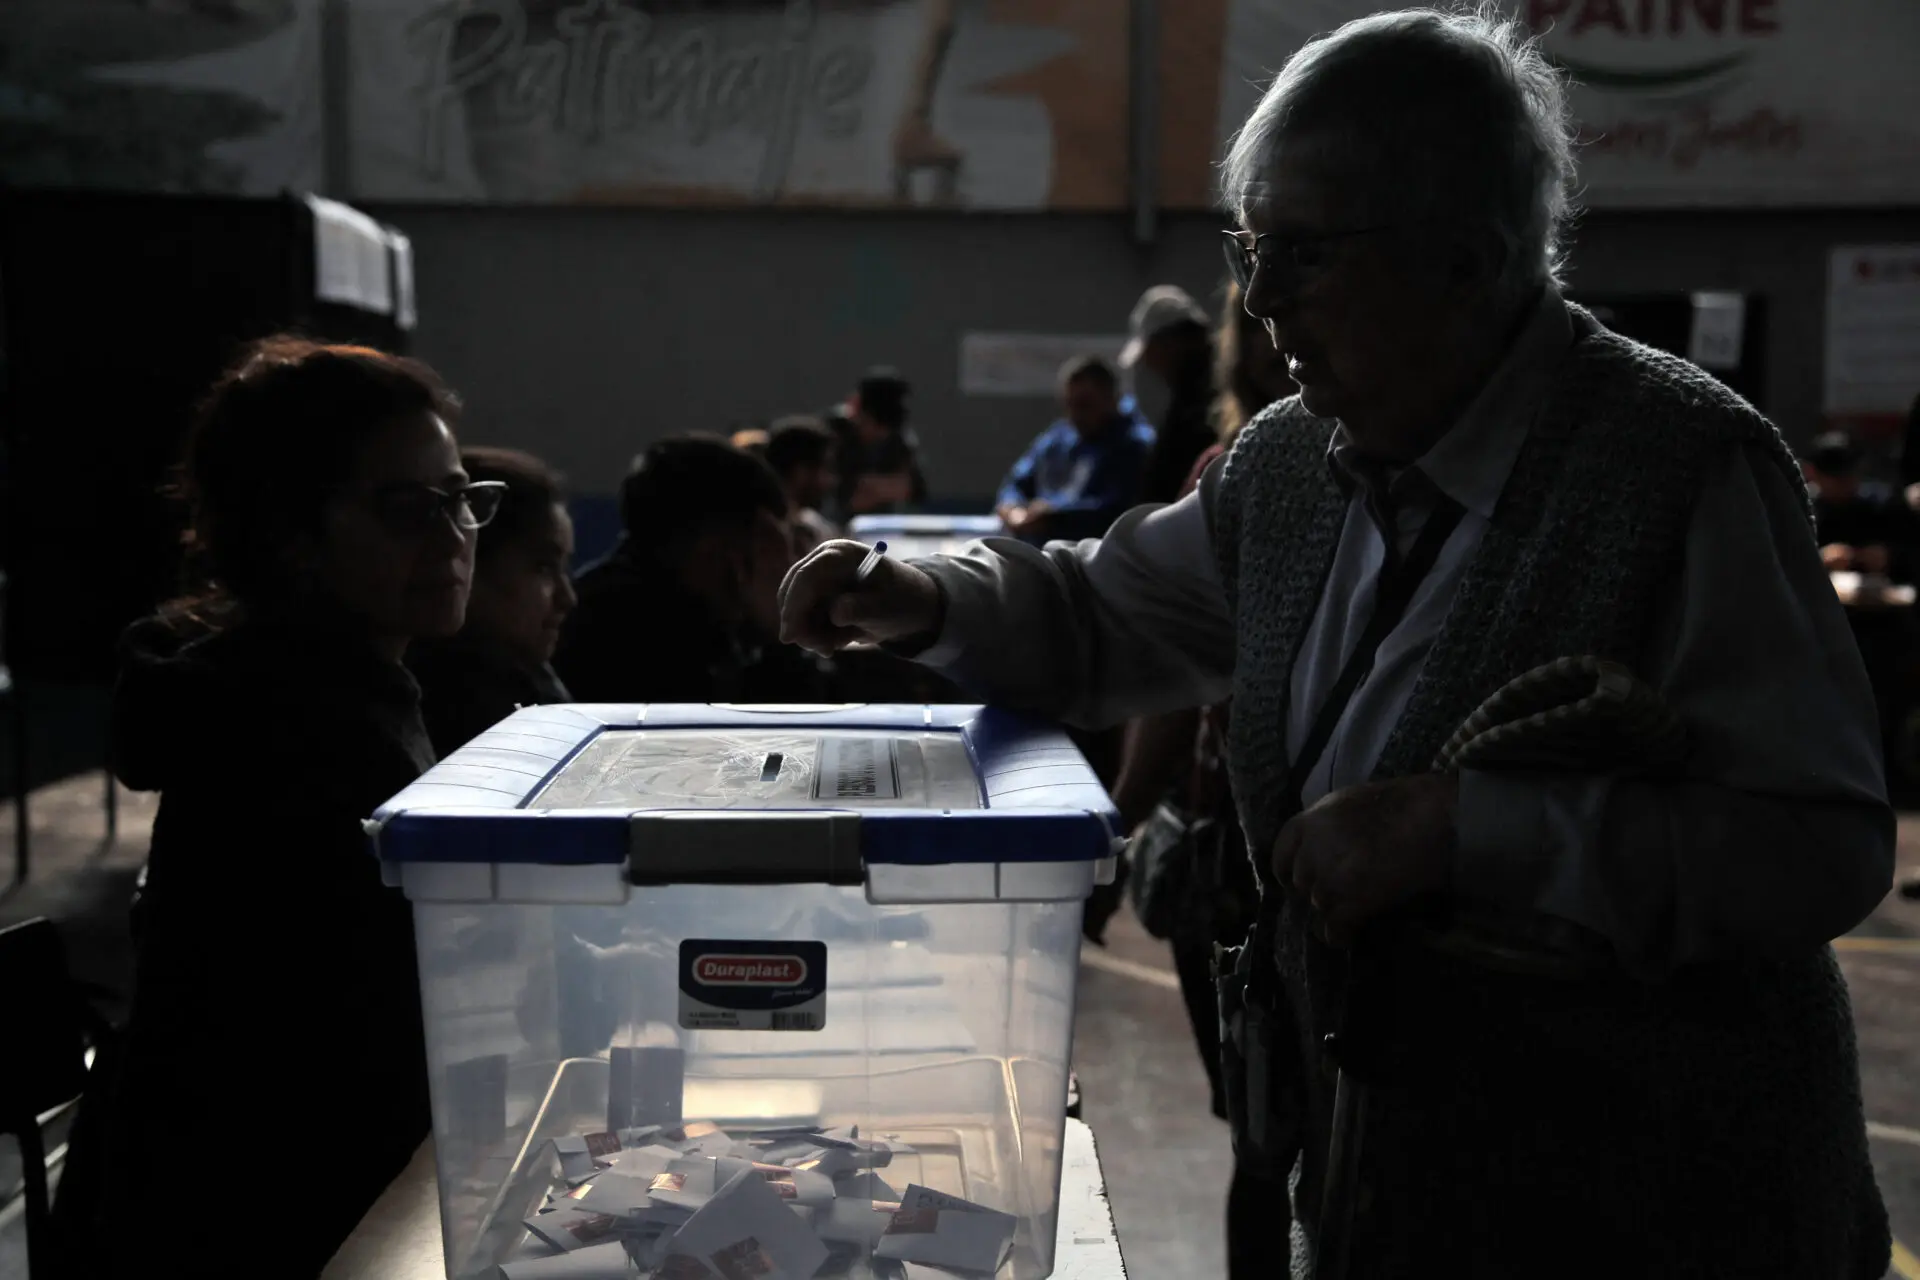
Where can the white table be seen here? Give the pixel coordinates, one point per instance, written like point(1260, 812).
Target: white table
point(399, 1239)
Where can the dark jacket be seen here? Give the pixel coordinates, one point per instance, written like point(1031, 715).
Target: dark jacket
point(638, 635)
point(276, 1000)
point(899, 451)
point(1183, 433)
point(467, 686)
point(1874, 517)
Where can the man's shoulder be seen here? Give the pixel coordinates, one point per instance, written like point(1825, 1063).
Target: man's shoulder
point(1641, 388)
point(1282, 428)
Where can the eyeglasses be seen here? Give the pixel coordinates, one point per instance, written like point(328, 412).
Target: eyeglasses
point(412, 510)
point(1245, 251)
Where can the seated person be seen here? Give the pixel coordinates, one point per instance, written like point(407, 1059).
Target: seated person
point(522, 593)
point(1868, 531)
point(1081, 473)
point(331, 526)
point(1860, 527)
point(879, 455)
point(684, 608)
point(800, 450)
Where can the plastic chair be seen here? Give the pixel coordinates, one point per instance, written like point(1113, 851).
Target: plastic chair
point(44, 1067)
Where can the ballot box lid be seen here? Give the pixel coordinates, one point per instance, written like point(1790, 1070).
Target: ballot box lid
point(585, 784)
point(926, 526)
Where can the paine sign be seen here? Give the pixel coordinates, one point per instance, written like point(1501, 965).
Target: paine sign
point(752, 986)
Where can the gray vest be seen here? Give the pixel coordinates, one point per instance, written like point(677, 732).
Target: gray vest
point(1707, 1125)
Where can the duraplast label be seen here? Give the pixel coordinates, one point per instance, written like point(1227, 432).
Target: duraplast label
point(734, 985)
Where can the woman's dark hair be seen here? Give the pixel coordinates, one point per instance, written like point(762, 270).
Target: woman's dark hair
point(276, 438)
point(533, 488)
point(1239, 397)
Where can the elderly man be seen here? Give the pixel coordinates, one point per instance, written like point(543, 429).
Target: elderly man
point(1476, 478)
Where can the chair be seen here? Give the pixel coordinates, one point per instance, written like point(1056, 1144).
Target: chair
point(44, 1067)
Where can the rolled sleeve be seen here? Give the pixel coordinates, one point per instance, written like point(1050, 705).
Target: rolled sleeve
point(1089, 632)
point(1777, 833)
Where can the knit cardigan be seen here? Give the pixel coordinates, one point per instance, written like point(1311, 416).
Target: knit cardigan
point(1706, 1125)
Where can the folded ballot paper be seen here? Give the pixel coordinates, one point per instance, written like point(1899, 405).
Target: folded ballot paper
point(745, 1231)
point(601, 1262)
point(693, 1202)
point(945, 1231)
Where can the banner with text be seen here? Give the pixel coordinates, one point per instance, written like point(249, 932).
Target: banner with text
point(983, 104)
point(1700, 103)
point(969, 104)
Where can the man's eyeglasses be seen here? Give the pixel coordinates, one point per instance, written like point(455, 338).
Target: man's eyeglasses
point(412, 510)
point(1245, 251)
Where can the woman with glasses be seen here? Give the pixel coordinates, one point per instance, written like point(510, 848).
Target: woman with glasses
point(275, 1032)
point(522, 593)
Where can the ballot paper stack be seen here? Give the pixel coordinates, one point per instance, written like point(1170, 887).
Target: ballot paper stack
point(693, 1202)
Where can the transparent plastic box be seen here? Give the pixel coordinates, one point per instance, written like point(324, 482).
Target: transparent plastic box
point(856, 921)
point(911, 537)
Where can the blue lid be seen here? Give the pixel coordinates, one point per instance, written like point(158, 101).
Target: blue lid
point(883, 526)
point(567, 785)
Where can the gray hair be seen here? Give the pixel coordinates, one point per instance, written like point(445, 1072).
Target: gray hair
point(1456, 113)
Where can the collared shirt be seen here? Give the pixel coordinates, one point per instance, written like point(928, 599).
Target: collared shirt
point(1780, 834)
point(1086, 481)
point(1469, 464)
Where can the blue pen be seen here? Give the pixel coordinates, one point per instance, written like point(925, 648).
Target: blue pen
point(871, 563)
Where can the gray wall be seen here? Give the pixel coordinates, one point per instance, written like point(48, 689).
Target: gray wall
point(583, 333)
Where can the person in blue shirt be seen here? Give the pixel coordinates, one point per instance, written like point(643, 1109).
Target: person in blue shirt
point(1085, 469)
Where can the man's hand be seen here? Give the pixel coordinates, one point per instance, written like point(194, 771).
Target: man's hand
point(1368, 849)
point(1871, 559)
point(824, 610)
point(1021, 521)
point(1837, 557)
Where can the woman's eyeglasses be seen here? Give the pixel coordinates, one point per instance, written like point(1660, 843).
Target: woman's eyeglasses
point(412, 510)
point(1244, 251)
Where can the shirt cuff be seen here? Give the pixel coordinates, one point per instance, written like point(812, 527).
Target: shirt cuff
point(949, 644)
point(1500, 822)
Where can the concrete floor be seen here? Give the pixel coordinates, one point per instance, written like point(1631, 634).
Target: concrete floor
point(1166, 1158)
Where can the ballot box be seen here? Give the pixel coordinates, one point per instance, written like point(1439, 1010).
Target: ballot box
point(911, 536)
point(701, 981)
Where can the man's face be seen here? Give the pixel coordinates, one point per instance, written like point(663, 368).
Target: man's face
point(1089, 405)
point(1360, 319)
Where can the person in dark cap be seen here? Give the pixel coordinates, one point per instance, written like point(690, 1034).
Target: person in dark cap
point(683, 608)
point(879, 456)
point(1168, 336)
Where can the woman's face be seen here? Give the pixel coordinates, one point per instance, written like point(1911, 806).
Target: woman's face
point(393, 552)
point(522, 592)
